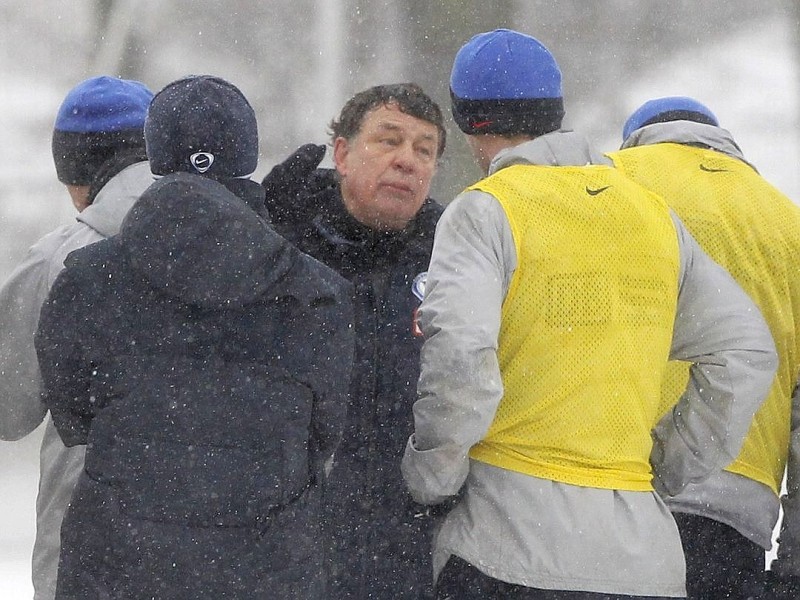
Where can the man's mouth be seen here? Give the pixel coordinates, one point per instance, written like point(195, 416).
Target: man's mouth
point(399, 187)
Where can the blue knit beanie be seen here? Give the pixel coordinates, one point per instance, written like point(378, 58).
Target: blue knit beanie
point(505, 82)
point(98, 119)
point(669, 108)
point(202, 124)
point(103, 104)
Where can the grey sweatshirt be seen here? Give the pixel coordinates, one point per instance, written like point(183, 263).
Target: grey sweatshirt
point(21, 410)
point(748, 506)
point(545, 534)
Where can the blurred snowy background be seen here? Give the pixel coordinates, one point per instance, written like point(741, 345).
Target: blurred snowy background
point(299, 60)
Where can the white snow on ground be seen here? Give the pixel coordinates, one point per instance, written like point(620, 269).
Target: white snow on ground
point(748, 79)
point(19, 474)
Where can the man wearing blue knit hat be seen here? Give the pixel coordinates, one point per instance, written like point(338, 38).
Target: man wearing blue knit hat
point(668, 110)
point(99, 123)
point(554, 297)
point(675, 147)
point(204, 362)
point(99, 154)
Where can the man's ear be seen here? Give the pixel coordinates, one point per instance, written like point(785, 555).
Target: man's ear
point(341, 148)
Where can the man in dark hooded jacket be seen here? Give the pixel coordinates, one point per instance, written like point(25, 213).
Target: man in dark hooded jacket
point(205, 362)
point(373, 223)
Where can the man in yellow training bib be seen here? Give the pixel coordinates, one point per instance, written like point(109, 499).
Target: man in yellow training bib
point(557, 290)
point(675, 147)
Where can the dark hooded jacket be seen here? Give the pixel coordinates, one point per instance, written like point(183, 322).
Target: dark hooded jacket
point(379, 539)
point(205, 363)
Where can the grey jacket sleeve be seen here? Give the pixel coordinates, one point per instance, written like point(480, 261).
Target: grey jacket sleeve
point(788, 561)
point(460, 385)
point(21, 298)
point(720, 331)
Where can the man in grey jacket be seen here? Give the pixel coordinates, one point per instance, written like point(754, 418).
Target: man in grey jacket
point(675, 147)
point(556, 291)
point(99, 154)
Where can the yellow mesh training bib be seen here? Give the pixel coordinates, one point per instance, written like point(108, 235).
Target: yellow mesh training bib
point(587, 325)
point(751, 229)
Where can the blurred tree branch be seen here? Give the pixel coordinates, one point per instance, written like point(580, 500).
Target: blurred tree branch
point(117, 43)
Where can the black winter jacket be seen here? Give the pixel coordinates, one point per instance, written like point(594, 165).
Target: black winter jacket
point(379, 539)
point(205, 363)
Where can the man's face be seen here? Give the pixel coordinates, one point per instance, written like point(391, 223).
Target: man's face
point(79, 195)
point(386, 169)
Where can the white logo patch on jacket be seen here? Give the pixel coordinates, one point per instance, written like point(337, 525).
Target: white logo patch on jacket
point(202, 161)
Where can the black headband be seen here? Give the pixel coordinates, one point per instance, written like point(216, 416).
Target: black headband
point(679, 115)
point(78, 156)
point(531, 116)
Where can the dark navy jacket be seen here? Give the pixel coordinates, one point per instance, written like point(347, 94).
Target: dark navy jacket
point(379, 539)
point(205, 363)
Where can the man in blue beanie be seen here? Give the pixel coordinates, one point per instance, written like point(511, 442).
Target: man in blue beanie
point(204, 361)
point(668, 110)
point(99, 154)
point(557, 290)
point(675, 147)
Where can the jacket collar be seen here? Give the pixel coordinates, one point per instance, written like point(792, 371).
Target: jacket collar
point(559, 148)
point(688, 133)
point(339, 227)
point(115, 199)
point(251, 192)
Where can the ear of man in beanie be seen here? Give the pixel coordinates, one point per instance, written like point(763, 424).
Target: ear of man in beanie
point(99, 118)
point(506, 82)
point(204, 125)
point(669, 108)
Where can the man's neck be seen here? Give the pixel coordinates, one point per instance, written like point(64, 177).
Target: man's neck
point(486, 147)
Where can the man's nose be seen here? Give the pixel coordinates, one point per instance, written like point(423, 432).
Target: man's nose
point(405, 158)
